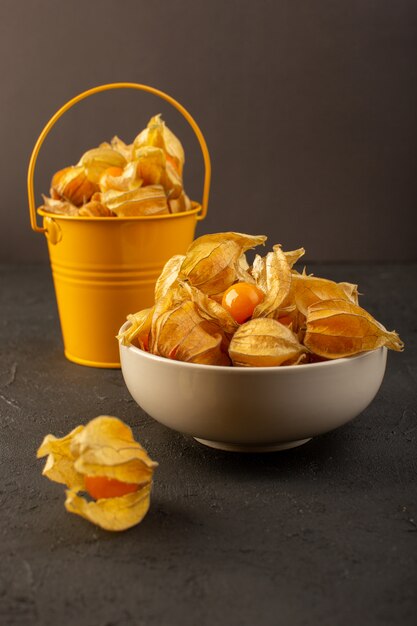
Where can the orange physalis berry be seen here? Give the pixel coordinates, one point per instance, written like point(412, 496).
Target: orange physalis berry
point(102, 487)
point(241, 299)
point(145, 342)
point(113, 171)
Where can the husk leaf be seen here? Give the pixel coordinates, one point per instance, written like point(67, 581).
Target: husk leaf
point(157, 134)
point(95, 209)
point(139, 329)
point(149, 200)
point(273, 276)
point(338, 328)
point(182, 333)
point(96, 161)
point(168, 276)
point(243, 270)
point(293, 256)
point(264, 342)
point(59, 207)
point(209, 309)
point(107, 441)
point(180, 204)
point(151, 163)
point(307, 290)
point(59, 465)
point(211, 262)
point(127, 181)
point(172, 182)
point(126, 150)
point(115, 514)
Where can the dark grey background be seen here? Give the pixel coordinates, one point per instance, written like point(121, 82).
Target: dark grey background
point(308, 108)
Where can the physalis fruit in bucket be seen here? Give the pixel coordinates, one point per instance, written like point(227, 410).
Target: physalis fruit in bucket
point(116, 179)
point(107, 473)
point(212, 307)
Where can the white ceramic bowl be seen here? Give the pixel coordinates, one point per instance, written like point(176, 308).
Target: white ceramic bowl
point(252, 409)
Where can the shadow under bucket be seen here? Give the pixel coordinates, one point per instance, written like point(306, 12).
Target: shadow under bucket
point(105, 268)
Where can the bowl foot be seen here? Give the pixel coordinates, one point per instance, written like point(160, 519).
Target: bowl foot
point(241, 447)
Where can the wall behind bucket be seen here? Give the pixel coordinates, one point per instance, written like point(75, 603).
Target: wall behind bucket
point(308, 111)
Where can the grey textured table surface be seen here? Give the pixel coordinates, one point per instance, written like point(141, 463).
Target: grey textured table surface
point(322, 534)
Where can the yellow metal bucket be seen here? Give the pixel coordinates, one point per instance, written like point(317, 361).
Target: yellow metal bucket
point(105, 268)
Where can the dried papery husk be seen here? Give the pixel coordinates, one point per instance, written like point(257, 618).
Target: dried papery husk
point(211, 261)
point(114, 514)
point(95, 209)
point(258, 267)
point(154, 169)
point(96, 161)
point(59, 207)
point(264, 342)
point(168, 276)
point(293, 256)
point(72, 184)
point(307, 290)
point(273, 276)
point(126, 181)
point(338, 328)
point(180, 204)
point(150, 163)
point(209, 309)
point(157, 134)
point(291, 317)
point(150, 200)
point(172, 296)
point(105, 447)
point(181, 333)
point(172, 182)
point(138, 331)
point(243, 270)
point(126, 150)
point(59, 465)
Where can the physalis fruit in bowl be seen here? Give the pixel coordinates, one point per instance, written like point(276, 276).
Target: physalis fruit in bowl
point(212, 307)
point(101, 460)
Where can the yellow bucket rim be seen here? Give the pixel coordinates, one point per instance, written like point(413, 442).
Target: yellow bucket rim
point(127, 218)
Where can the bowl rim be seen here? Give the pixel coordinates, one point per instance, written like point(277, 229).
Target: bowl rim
point(246, 370)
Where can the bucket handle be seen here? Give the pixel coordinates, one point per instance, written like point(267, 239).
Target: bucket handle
point(85, 94)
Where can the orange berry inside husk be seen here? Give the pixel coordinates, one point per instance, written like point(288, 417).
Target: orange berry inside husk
point(102, 487)
point(241, 299)
point(113, 171)
point(145, 342)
